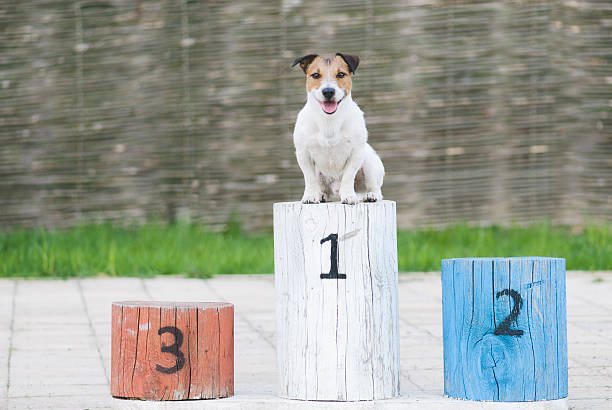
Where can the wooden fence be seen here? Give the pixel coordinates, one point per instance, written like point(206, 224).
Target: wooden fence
point(483, 111)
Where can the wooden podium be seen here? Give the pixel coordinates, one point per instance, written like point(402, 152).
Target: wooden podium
point(172, 351)
point(505, 329)
point(335, 271)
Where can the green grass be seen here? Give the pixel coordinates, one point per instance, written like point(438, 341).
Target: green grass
point(158, 249)
point(590, 249)
point(147, 250)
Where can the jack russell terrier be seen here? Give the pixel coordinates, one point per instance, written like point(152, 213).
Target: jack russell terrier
point(330, 136)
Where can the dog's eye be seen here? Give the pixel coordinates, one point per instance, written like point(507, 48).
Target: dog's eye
point(340, 75)
point(316, 75)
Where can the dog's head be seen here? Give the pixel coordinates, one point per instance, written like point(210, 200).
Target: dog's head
point(328, 80)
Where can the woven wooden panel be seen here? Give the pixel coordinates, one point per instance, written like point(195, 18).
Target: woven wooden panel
point(483, 111)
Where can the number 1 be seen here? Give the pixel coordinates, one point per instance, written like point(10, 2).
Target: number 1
point(333, 271)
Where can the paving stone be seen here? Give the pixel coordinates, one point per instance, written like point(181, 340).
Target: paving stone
point(72, 402)
point(68, 387)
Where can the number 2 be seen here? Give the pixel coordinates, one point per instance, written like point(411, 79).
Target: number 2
point(173, 349)
point(517, 303)
point(333, 256)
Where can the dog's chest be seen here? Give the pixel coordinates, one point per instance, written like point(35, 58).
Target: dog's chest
point(330, 159)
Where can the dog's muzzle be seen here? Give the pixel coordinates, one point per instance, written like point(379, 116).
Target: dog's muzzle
point(329, 106)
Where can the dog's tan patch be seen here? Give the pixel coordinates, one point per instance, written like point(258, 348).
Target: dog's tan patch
point(340, 70)
point(319, 66)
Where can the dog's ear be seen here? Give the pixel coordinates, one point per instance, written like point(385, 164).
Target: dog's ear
point(305, 61)
point(351, 61)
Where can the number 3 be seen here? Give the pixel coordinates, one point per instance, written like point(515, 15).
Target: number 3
point(173, 349)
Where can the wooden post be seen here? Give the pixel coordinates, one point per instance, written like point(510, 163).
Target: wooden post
point(335, 271)
point(505, 332)
point(172, 351)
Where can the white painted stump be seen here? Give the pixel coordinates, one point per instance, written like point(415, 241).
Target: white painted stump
point(336, 301)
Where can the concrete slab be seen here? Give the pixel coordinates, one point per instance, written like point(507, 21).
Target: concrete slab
point(55, 343)
point(269, 402)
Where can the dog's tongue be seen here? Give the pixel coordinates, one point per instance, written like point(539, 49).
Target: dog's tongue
point(330, 106)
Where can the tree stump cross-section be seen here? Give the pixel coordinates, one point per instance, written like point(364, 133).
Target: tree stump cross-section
point(335, 269)
point(505, 329)
point(172, 351)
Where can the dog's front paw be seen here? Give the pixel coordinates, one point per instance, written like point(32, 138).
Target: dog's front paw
point(372, 197)
point(349, 199)
point(312, 198)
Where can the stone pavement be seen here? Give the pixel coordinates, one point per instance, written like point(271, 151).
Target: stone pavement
point(55, 340)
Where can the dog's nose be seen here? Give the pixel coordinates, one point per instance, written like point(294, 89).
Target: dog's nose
point(328, 93)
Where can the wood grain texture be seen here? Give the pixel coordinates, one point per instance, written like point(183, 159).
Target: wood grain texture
point(337, 339)
point(172, 351)
point(505, 330)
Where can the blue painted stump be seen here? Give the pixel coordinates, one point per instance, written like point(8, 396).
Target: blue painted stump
point(505, 331)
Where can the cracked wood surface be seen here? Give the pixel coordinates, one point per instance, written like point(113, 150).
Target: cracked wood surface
point(338, 339)
point(505, 328)
point(172, 351)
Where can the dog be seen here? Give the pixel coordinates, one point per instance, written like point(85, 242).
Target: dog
point(330, 136)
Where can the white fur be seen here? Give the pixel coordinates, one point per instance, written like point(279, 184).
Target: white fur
point(332, 150)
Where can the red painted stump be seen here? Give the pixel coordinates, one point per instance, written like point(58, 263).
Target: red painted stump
point(172, 351)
